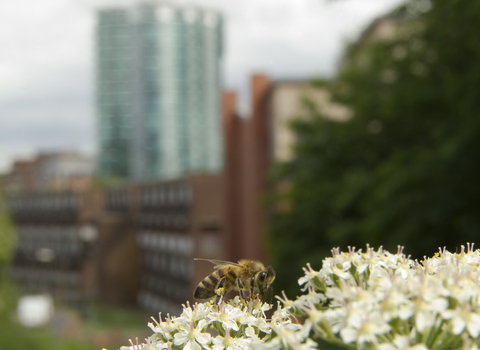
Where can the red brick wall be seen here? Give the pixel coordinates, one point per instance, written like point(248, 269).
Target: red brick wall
point(233, 127)
point(246, 169)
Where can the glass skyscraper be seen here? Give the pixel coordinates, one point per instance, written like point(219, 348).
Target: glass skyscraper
point(158, 91)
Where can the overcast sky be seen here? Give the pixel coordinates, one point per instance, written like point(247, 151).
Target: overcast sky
point(46, 59)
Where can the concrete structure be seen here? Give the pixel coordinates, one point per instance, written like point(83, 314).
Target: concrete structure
point(285, 102)
point(51, 171)
point(63, 171)
point(158, 91)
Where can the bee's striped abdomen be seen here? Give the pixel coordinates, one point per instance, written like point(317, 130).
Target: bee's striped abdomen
point(206, 288)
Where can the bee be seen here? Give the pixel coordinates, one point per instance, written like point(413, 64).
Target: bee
point(246, 275)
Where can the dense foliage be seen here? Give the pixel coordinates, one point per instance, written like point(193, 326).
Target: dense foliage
point(404, 170)
point(6, 245)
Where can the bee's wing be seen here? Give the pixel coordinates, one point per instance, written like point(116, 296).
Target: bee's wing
point(220, 263)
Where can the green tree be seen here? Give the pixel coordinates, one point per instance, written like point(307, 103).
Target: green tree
point(404, 170)
point(6, 247)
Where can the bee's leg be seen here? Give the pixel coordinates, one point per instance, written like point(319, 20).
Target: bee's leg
point(220, 285)
point(240, 288)
point(252, 282)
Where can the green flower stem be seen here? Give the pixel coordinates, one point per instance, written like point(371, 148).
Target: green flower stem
point(448, 342)
point(433, 336)
point(395, 324)
point(219, 328)
point(384, 338)
point(406, 327)
point(323, 325)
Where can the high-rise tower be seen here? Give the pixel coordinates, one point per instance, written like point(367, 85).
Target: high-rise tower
point(158, 91)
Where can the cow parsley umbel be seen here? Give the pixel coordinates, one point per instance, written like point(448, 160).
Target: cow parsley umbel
point(357, 300)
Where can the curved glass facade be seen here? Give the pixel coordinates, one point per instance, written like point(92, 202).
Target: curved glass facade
point(158, 91)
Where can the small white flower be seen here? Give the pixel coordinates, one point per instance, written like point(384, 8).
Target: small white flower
point(310, 274)
point(258, 308)
point(404, 269)
point(464, 318)
point(229, 343)
point(287, 333)
point(314, 315)
point(285, 301)
point(281, 315)
point(426, 312)
point(396, 305)
point(227, 316)
point(198, 312)
point(191, 338)
point(163, 328)
point(364, 328)
point(251, 333)
point(336, 318)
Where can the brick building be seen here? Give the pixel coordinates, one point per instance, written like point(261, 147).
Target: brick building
point(51, 171)
point(253, 145)
point(177, 221)
point(127, 245)
point(54, 248)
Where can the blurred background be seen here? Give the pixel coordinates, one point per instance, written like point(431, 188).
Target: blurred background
point(138, 135)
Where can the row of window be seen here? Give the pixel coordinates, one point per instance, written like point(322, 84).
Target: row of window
point(155, 197)
point(51, 202)
point(115, 75)
point(172, 243)
point(166, 195)
point(173, 45)
point(169, 265)
point(60, 233)
point(45, 276)
point(179, 60)
point(117, 199)
point(121, 113)
point(45, 258)
point(115, 21)
point(178, 46)
point(178, 221)
point(117, 82)
point(57, 247)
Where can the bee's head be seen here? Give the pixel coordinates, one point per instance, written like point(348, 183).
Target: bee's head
point(263, 280)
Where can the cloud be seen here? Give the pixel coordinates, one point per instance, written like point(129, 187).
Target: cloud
point(46, 72)
point(46, 61)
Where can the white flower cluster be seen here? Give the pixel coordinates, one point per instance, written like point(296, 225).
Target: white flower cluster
point(233, 325)
point(387, 301)
point(358, 300)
